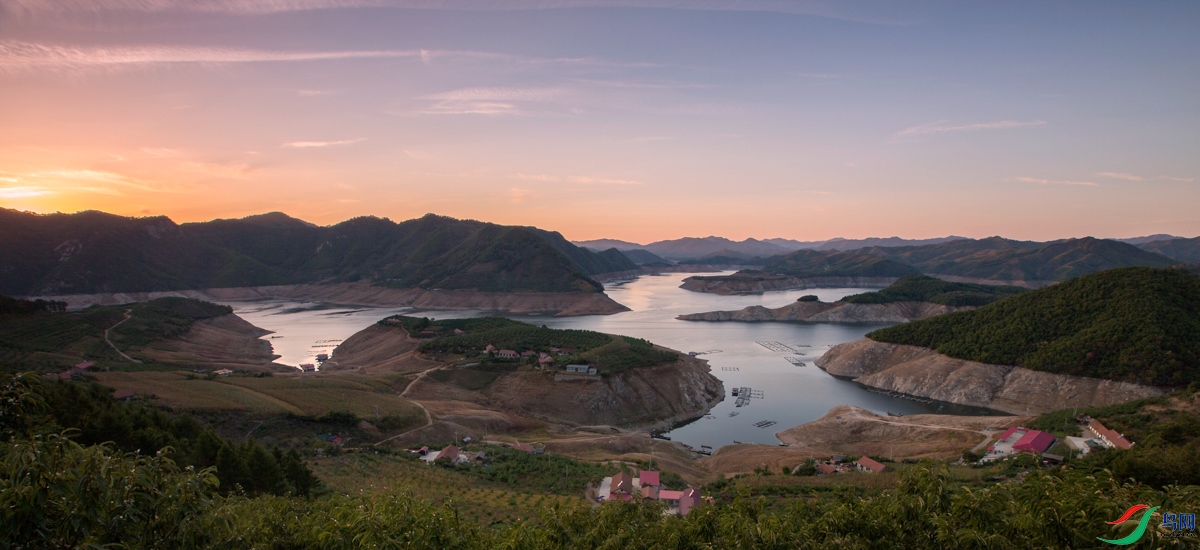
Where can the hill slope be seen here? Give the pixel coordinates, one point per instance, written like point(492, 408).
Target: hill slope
point(811, 263)
point(93, 252)
point(920, 288)
point(1132, 324)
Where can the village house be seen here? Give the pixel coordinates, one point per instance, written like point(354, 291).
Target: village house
point(621, 487)
point(648, 486)
point(866, 464)
point(223, 372)
point(1109, 438)
point(1019, 439)
point(507, 354)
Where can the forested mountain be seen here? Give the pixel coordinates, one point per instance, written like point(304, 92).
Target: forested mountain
point(641, 256)
point(696, 247)
point(812, 263)
point(1184, 250)
point(99, 252)
point(1132, 324)
point(921, 288)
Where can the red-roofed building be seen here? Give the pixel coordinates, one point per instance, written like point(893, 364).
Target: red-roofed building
point(826, 469)
point(450, 452)
point(649, 478)
point(1008, 433)
point(689, 499)
point(622, 487)
point(523, 447)
point(1034, 441)
point(866, 464)
point(1109, 437)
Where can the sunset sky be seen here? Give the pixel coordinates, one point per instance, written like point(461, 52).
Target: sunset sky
point(632, 119)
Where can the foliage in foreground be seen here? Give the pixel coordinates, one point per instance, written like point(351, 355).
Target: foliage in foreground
point(1132, 324)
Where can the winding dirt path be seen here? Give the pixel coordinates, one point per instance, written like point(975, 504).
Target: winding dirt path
point(114, 347)
point(404, 393)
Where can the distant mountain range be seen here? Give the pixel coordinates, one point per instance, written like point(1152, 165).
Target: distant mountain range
point(94, 252)
point(1179, 248)
point(720, 248)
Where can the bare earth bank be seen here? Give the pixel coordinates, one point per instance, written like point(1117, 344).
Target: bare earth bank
point(363, 294)
point(923, 372)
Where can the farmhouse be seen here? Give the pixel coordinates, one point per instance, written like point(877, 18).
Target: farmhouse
point(866, 464)
point(1019, 439)
point(507, 354)
point(1109, 438)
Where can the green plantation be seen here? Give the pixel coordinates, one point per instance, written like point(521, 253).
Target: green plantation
point(41, 339)
point(610, 354)
point(61, 490)
point(1132, 324)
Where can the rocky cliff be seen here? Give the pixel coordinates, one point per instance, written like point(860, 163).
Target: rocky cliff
point(923, 372)
point(740, 284)
point(363, 294)
point(836, 312)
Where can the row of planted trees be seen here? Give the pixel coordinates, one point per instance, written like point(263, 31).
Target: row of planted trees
point(57, 493)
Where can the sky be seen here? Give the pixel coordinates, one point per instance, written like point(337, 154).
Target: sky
point(638, 120)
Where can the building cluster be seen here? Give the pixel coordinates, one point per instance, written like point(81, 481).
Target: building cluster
point(459, 456)
point(75, 371)
point(1020, 439)
point(1097, 436)
point(838, 464)
point(646, 487)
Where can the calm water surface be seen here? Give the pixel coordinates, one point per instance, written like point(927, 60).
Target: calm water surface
point(783, 393)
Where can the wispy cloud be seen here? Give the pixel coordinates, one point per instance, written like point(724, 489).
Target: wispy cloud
point(1041, 181)
point(1176, 178)
point(488, 100)
point(23, 191)
point(311, 144)
point(940, 127)
point(1120, 176)
point(101, 178)
point(33, 8)
point(313, 93)
point(16, 55)
point(518, 195)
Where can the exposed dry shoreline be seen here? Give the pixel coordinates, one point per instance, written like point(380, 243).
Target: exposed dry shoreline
point(562, 304)
point(923, 372)
point(826, 312)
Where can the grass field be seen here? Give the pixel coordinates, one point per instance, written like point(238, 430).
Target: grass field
point(311, 396)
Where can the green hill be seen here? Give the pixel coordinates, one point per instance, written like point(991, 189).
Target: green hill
point(921, 288)
point(96, 252)
point(1130, 324)
point(1184, 250)
point(37, 338)
point(812, 263)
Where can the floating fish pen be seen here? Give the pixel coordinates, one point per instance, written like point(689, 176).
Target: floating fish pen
point(765, 424)
point(801, 346)
point(733, 414)
point(775, 346)
point(328, 341)
point(754, 394)
point(730, 369)
point(796, 361)
point(742, 401)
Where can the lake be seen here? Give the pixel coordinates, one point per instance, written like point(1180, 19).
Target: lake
point(782, 393)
